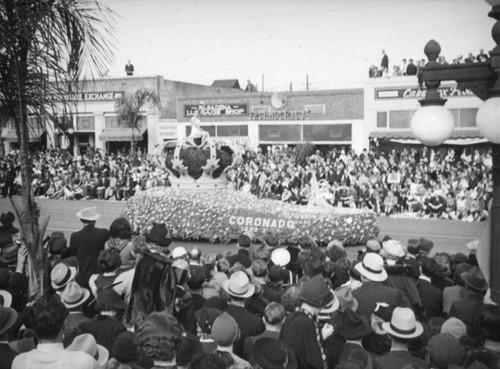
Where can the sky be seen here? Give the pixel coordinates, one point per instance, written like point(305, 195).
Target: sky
point(280, 42)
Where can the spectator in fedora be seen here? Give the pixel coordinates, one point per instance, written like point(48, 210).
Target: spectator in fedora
point(402, 328)
point(8, 317)
point(205, 318)
point(159, 337)
point(225, 332)
point(61, 275)
point(467, 308)
point(239, 288)
point(87, 343)
point(106, 326)
point(74, 298)
point(274, 317)
point(444, 351)
point(271, 353)
point(86, 244)
point(372, 291)
point(308, 345)
point(47, 317)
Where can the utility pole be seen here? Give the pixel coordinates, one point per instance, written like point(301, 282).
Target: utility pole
point(291, 86)
point(307, 82)
point(262, 82)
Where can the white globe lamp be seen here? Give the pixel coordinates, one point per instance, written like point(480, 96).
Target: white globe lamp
point(432, 125)
point(488, 119)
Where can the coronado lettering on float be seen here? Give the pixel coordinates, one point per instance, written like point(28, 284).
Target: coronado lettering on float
point(256, 223)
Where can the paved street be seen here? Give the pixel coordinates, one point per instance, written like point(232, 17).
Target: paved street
point(450, 236)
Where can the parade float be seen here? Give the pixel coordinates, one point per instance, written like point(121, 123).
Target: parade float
point(201, 206)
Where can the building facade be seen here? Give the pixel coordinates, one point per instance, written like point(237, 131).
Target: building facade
point(330, 117)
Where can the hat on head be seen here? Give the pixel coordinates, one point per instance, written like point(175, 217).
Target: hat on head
point(61, 275)
point(455, 327)
point(7, 298)
point(7, 218)
point(332, 306)
point(474, 279)
point(372, 267)
point(271, 353)
point(445, 350)
point(238, 285)
point(126, 347)
point(354, 326)
point(9, 253)
point(189, 349)
point(87, 343)
point(8, 317)
point(74, 295)
point(346, 299)
point(280, 256)
point(317, 293)
point(89, 213)
point(373, 246)
point(22, 345)
point(393, 249)
point(159, 235)
point(425, 244)
point(109, 298)
point(225, 330)
point(179, 252)
point(205, 318)
point(403, 324)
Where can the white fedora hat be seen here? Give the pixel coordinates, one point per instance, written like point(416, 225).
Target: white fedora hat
point(74, 295)
point(403, 324)
point(372, 267)
point(61, 275)
point(88, 213)
point(238, 285)
point(7, 298)
point(87, 343)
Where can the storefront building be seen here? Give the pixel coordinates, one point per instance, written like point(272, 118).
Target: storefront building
point(389, 104)
point(94, 121)
point(329, 117)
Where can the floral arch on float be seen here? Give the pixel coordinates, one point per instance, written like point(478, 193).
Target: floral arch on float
point(201, 206)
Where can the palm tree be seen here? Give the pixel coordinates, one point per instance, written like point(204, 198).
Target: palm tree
point(129, 109)
point(46, 46)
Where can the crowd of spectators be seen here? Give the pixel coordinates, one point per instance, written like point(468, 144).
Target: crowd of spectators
point(412, 182)
point(119, 300)
point(420, 182)
point(409, 67)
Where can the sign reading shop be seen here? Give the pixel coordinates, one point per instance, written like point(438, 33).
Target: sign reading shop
point(214, 110)
point(417, 93)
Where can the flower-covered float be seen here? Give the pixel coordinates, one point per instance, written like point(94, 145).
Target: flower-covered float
point(200, 206)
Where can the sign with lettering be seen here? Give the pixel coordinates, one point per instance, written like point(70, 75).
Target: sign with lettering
point(98, 96)
point(417, 93)
point(260, 224)
point(279, 115)
point(214, 110)
point(167, 131)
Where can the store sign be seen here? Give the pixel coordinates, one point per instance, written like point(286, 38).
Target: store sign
point(417, 93)
point(98, 96)
point(215, 110)
point(167, 131)
point(279, 115)
point(260, 224)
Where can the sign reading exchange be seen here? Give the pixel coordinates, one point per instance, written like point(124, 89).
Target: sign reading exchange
point(417, 93)
point(213, 110)
point(256, 224)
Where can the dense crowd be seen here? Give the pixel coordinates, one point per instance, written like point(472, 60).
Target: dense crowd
point(416, 182)
point(119, 300)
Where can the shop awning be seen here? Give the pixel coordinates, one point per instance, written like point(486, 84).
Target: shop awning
point(123, 134)
point(34, 136)
point(458, 134)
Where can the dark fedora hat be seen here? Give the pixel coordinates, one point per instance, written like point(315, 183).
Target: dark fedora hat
point(474, 279)
point(354, 326)
point(271, 353)
point(159, 235)
point(8, 317)
point(9, 254)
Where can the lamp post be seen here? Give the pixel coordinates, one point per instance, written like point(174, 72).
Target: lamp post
point(431, 124)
